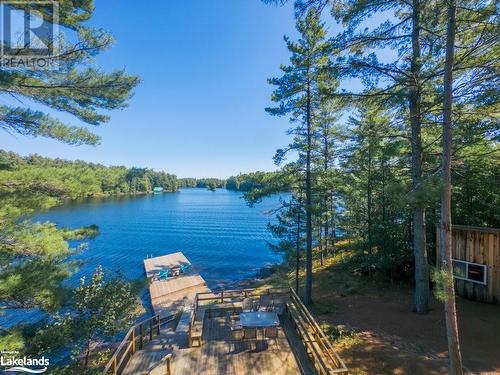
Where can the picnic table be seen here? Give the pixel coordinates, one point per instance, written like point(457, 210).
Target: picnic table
point(259, 319)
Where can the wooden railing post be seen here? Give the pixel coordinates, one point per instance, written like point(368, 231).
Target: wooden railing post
point(158, 323)
point(133, 341)
point(222, 297)
point(141, 340)
point(169, 364)
point(151, 330)
point(115, 369)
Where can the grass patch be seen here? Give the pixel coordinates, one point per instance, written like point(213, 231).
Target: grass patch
point(342, 336)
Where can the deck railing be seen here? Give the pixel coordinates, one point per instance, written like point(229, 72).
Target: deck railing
point(135, 339)
point(318, 347)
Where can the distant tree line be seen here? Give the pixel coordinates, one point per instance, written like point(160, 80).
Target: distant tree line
point(79, 179)
point(244, 182)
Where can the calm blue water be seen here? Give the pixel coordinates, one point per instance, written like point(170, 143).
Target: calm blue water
point(223, 238)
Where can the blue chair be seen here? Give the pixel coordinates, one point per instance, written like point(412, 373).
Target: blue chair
point(164, 274)
point(184, 268)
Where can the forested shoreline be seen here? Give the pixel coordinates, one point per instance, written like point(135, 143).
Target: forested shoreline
point(80, 179)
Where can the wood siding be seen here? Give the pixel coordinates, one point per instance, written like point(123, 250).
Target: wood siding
point(477, 245)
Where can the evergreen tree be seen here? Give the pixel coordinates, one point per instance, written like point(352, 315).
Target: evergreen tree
point(34, 256)
point(298, 95)
point(76, 87)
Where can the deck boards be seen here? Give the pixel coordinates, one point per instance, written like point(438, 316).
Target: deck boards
point(245, 358)
point(168, 296)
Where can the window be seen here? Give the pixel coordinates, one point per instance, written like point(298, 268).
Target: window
point(468, 271)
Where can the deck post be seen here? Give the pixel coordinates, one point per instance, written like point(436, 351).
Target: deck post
point(133, 341)
point(151, 330)
point(222, 297)
point(158, 322)
point(169, 364)
point(115, 370)
point(141, 341)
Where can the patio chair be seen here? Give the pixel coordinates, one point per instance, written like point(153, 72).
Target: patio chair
point(184, 268)
point(250, 334)
point(164, 274)
point(278, 306)
point(271, 333)
point(247, 304)
point(235, 337)
point(233, 321)
point(265, 303)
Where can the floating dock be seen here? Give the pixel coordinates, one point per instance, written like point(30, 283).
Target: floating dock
point(176, 292)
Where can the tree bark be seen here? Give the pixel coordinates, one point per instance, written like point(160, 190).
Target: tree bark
point(419, 240)
point(320, 245)
point(87, 355)
point(369, 200)
point(454, 355)
point(326, 206)
point(297, 249)
point(308, 289)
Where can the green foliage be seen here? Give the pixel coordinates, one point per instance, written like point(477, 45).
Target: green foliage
point(289, 230)
point(202, 183)
point(103, 307)
point(35, 182)
point(12, 340)
point(97, 310)
point(78, 87)
point(443, 281)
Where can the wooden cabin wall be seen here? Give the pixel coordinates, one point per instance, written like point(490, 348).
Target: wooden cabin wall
point(477, 245)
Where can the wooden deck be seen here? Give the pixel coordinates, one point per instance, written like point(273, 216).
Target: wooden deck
point(159, 347)
point(168, 296)
point(216, 356)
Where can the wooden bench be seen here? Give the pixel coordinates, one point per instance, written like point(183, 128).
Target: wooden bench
point(196, 329)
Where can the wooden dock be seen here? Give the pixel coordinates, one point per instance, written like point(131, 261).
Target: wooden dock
point(174, 293)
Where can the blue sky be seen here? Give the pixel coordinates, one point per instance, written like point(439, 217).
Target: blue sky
point(200, 108)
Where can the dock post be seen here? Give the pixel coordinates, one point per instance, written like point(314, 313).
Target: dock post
point(158, 323)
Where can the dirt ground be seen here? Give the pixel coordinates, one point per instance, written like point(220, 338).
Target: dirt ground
point(391, 339)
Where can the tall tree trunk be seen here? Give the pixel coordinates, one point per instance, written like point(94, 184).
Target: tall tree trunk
point(297, 249)
point(320, 244)
point(87, 355)
point(332, 210)
point(308, 289)
point(455, 358)
point(369, 200)
point(419, 241)
point(326, 161)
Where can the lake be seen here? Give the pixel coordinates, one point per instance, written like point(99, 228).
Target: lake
point(224, 239)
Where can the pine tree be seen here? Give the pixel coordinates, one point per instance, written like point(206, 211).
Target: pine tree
point(34, 256)
point(77, 86)
point(298, 95)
